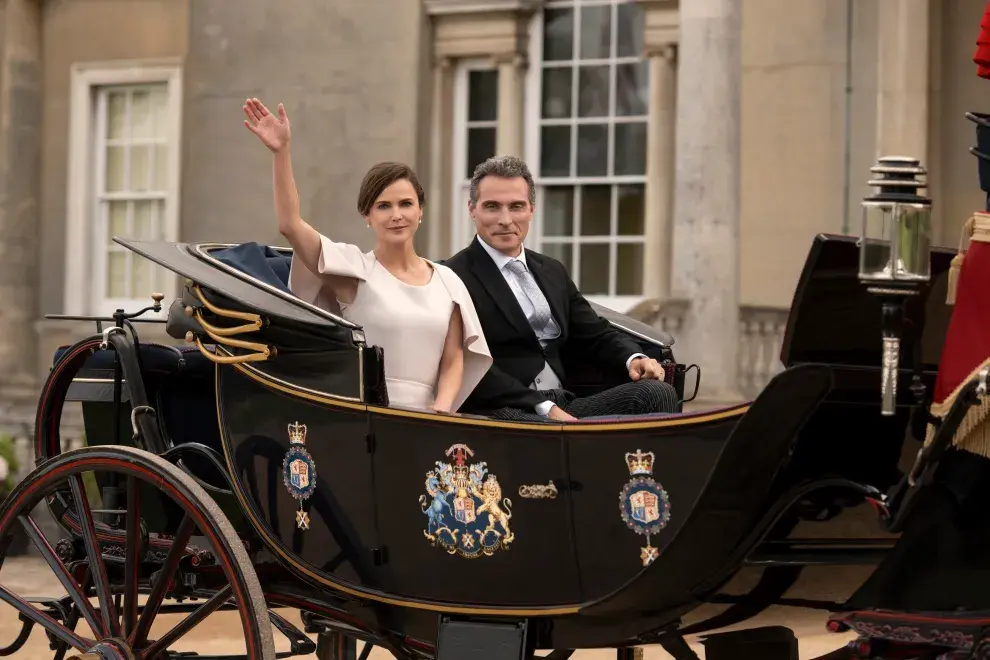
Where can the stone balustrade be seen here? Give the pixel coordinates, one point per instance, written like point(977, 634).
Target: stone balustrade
point(761, 331)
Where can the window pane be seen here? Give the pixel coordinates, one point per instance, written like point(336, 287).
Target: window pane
point(116, 221)
point(632, 85)
point(144, 217)
point(555, 151)
point(160, 102)
point(614, 94)
point(558, 211)
point(593, 150)
point(631, 210)
point(630, 148)
point(562, 252)
point(593, 91)
point(140, 277)
point(117, 274)
point(595, 267)
point(161, 168)
point(596, 210)
point(140, 167)
point(557, 92)
point(629, 25)
point(142, 115)
point(481, 146)
point(596, 31)
point(629, 269)
point(114, 169)
point(558, 34)
point(483, 95)
point(116, 115)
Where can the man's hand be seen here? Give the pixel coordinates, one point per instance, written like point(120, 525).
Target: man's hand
point(643, 367)
point(558, 415)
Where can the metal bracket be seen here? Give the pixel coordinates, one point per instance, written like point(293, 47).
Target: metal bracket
point(134, 412)
point(105, 344)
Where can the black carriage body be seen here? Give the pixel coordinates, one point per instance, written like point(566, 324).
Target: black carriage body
point(603, 531)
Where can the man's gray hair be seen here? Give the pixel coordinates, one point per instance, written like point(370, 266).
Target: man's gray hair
point(506, 167)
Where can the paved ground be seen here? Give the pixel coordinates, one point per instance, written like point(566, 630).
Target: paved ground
point(218, 634)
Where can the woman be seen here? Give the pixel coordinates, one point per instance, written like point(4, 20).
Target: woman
point(419, 312)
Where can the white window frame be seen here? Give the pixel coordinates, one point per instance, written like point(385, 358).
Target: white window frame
point(533, 122)
point(83, 264)
point(462, 226)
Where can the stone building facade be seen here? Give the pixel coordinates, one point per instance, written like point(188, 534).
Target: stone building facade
point(686, 153)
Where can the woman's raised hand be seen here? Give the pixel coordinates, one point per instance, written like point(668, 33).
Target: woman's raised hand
point(271, 130)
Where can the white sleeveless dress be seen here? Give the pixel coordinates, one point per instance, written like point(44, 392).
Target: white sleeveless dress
point(409, 322)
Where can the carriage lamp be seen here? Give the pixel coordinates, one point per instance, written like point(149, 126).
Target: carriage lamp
point(894, 256)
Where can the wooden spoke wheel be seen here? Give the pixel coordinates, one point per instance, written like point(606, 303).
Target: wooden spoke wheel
point(113, 555)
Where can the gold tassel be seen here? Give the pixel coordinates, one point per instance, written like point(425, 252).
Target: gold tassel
point(954, 268)
point(957, 261)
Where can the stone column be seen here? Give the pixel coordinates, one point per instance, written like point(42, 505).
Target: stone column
point(660, 171)
point(437, 203)
point(706, 204)
point(509, 134)
point(903, 78)
point(20, 158)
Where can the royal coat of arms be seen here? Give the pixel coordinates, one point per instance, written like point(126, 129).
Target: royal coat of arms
point(299, 471)
point(465, 511)
point(643, 503)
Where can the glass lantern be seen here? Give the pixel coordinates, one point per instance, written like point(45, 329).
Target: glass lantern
point(894, 255)
point(896, 235)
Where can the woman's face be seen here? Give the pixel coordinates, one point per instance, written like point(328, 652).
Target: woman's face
point(396, 213)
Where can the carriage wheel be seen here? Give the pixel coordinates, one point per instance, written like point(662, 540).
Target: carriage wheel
point(119, 625)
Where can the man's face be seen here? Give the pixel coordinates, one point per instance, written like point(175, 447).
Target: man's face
point(503, 213)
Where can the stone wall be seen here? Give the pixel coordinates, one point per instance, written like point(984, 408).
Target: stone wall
point(355, 90)
point(20, 142)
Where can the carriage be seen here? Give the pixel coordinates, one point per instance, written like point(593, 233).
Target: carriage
point(260, 466)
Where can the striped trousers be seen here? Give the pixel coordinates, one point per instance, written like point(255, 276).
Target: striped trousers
point(642, 397)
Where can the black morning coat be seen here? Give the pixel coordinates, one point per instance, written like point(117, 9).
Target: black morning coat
point(517, 353)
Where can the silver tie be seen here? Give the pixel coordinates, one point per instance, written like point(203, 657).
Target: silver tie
point(541, 314)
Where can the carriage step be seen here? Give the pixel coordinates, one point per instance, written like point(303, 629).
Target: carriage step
point(766, 643)
point(467, 639)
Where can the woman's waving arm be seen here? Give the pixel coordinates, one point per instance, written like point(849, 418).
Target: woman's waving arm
point(274, 133)
point(309, 247)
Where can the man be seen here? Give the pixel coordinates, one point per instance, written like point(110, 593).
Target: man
point(530, 309)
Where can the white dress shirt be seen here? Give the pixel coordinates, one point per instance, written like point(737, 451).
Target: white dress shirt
point(547, 379)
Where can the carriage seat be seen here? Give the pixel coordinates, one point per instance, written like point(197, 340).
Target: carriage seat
point(179, 383)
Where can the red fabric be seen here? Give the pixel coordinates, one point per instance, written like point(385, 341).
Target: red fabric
point(982, 55)
point(967, 342)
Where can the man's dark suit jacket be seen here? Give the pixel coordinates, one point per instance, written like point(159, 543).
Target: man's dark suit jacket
point(517, 353)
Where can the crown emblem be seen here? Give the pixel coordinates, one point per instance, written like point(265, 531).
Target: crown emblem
point(297, 433)
point(461, 453)
point(640, 463)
